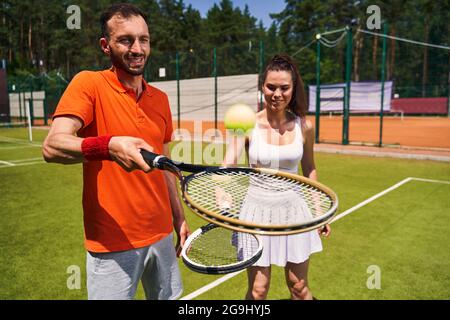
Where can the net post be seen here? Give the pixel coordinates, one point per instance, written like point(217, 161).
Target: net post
point(448, 96)
point(383, 68)
point(44, 103)
point(348, 72)
point(31, 103)
point(20, 101)
point(317, 88)
point(29, 119)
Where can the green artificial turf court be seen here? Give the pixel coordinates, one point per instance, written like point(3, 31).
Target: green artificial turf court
point(404, 233)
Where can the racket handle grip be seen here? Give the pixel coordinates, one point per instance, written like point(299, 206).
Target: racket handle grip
point(152, 158)
point(159, 161)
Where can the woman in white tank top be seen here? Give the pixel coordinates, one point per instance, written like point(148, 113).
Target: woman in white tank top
point(282, 139)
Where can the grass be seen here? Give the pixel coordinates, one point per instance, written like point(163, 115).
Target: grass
point(405, 233)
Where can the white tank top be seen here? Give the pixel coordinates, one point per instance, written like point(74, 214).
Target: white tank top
point(281, 157)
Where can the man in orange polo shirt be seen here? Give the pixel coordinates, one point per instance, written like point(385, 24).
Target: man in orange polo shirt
point(103, 120)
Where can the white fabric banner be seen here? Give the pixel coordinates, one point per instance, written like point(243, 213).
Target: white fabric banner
point(364, 96)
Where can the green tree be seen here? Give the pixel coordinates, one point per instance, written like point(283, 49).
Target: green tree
point(234, 33)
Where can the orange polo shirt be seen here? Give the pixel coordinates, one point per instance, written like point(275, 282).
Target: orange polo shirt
point(122, 210)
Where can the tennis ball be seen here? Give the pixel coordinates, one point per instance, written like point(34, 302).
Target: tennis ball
point(239, 118)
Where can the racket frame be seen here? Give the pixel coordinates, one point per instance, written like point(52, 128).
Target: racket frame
point(245, 226)
point(223, 269)
point(164, 163)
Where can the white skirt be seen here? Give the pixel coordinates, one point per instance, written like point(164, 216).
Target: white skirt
point(260, 206)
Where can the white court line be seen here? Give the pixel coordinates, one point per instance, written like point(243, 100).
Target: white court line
point(13, 165)
point(21, 162)
point(26, 160)
point(9, 164)
point(369, 200)
point(339, 216)
point(19, 147)
point(429, 180)
point(19, 141)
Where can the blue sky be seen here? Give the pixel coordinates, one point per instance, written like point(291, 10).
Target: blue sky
point(260, 9)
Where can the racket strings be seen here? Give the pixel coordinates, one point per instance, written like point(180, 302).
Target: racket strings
point(225, 193)
point(221, 247)
point(204, 189)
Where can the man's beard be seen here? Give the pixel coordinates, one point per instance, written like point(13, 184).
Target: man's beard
point(119, 63)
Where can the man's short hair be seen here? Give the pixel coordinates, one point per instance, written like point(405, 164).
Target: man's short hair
point(125, 10)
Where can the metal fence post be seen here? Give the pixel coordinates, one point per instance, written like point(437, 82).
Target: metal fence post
point(317, 88)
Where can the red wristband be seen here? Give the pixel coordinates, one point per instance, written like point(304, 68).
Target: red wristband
point(96, 148)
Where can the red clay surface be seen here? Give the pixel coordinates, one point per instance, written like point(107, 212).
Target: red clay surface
point(415, 132)
point(424, 132)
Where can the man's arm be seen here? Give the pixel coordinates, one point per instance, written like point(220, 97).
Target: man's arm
point(63, 146)
point(179, 221)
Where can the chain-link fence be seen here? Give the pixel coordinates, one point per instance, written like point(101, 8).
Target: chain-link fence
point(38, 94)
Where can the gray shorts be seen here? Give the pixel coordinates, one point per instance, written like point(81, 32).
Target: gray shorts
point(115, 275)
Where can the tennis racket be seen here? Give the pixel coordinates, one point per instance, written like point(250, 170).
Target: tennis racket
point(215, 250)
point(254, 200)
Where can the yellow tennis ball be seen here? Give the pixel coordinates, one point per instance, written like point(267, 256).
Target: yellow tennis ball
point(239, 118)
